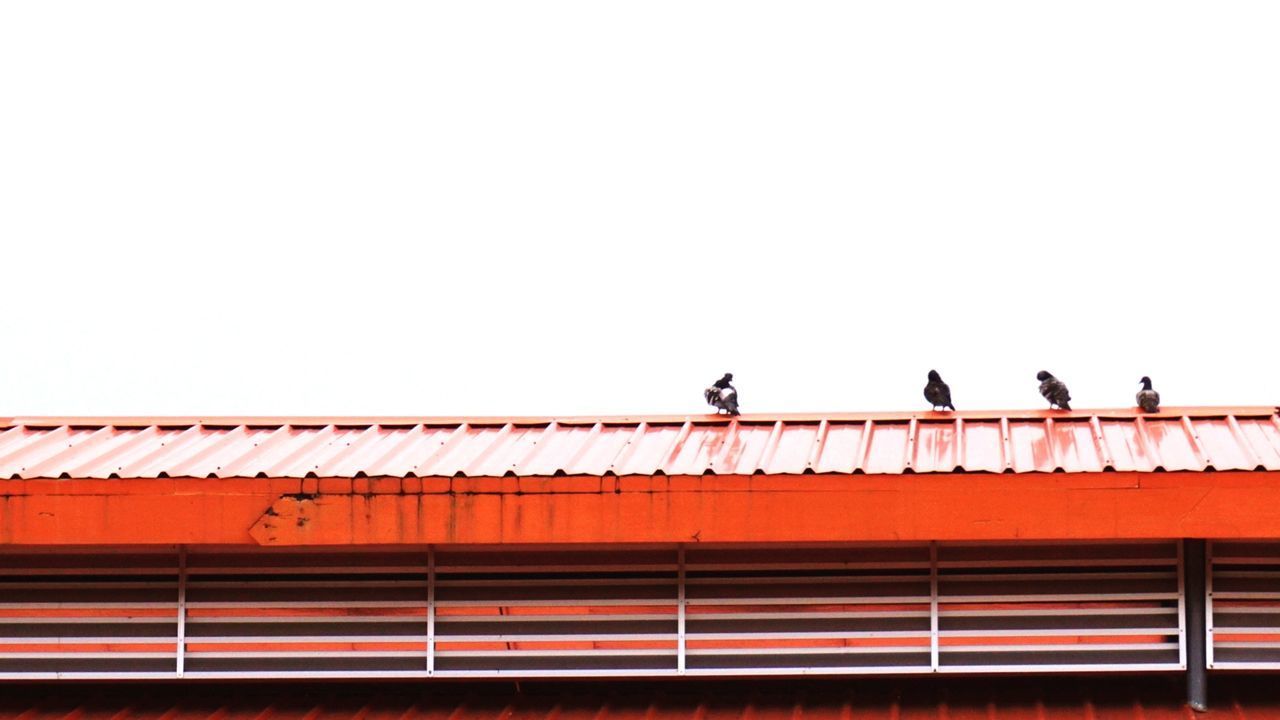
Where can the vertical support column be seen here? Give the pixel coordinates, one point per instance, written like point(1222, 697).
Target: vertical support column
point(181, 648)
point(431, 610)
point(1195, 593)
point(933, 605)
point(680, 611)
point(1182, 606)
point(1208, 603)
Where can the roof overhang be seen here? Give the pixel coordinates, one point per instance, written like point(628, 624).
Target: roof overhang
point(1082, 475)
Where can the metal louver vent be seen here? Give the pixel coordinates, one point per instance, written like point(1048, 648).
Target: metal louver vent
point(1244, 605)
point(861, 610)
point(277, 613)
point(698, 610)
point(1060, 607)
point(555, 612)
point(76, 615)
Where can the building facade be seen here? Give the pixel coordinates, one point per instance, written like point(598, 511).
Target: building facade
point(660, 548)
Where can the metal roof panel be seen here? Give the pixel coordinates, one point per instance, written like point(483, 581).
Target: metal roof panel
point(1182, 439)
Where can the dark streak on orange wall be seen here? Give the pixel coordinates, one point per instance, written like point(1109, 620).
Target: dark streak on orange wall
point(726, 508)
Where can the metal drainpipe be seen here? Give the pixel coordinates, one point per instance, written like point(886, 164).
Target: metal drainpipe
point(1197, 672)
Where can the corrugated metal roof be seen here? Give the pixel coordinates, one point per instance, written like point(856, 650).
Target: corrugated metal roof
point(1083, 441)
point(1233, 698)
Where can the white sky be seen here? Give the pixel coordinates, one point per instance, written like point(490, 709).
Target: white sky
point(269, 207)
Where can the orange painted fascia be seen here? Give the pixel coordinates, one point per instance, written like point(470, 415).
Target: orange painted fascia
point(640, 509)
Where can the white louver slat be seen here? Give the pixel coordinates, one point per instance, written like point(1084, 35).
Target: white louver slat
point(698, 610)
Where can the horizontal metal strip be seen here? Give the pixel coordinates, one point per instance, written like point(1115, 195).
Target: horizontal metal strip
point(819, 600)
point(577, 673)
point(83, 675)
point(817, 615)
point(557, 596)
point(636, 637)
point(82, 571)
point(747, 567)
point(324, 584)
point(1246, 665)
point(87, 640)
point(444, 569)
point(553, 617)
point(614, 673)
point(561, 602)
point(280, 639)
point(1246, 574)
point(122, 605)
point(1108, 562)
point(95, 620)
point(92, 585)
point(317, 619)
point(1032, 649)
point(1058, 597)
point(440, 619)
point(558, 582)
point(853, 650)
point(554, 653)
point(996, 545)
point(87, 655)
point(784, 666)
point(268, 604)
point(593, 637)
point(1247, 645)
point(1233, 595)
point(807, 580)
point(812, 635)
point(1064, 631)
point(1059, 612)
point(1023, 577)
point(579, 602)
point(1061, 668)
point(700, 672)
point(1246, 630)
point(198, 571)
point(267, 654)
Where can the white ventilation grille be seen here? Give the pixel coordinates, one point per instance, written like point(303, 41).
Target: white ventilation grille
point(74, 614)
point(811, 610)
point(1049, 607)
point(555, 612)
point(278, 613)
point(698, 610)
point(1244, 605)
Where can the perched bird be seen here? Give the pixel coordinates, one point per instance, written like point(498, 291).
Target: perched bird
point(1148, 399)
point(1054, 390)
point(937, 392)
point(722, 395)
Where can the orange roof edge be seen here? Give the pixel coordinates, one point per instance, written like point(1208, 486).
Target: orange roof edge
point(878, 416)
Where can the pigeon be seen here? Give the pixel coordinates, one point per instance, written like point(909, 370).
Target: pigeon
point(1148, 399)
point(1054, 390)
point(937, 392)
point(722, 395)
